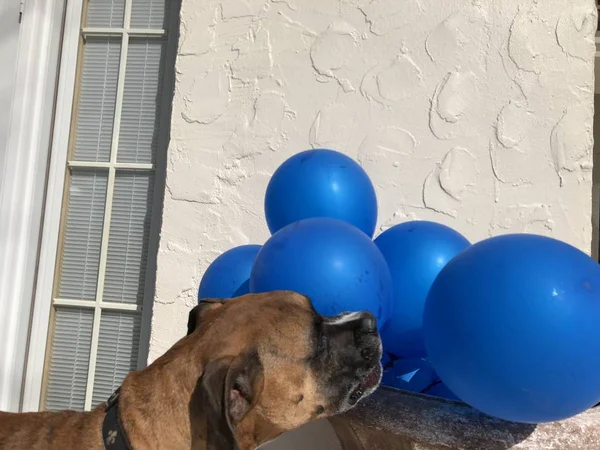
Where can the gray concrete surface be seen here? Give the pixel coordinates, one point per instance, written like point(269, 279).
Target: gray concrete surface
point(317, 435)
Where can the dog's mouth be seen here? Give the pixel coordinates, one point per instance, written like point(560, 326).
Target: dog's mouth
point(367, 385)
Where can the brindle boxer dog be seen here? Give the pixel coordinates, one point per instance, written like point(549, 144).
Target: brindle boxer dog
point(249, 369)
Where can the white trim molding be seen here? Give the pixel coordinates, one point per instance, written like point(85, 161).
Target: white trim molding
point(52, 212)
point(23, 186)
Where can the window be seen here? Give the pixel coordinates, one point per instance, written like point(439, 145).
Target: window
point(100, 290)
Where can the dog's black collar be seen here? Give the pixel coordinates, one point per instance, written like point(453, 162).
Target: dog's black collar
point(113, 435)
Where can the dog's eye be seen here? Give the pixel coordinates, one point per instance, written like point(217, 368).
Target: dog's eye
point(321, 340)
point(321, 343)
point(318, 338)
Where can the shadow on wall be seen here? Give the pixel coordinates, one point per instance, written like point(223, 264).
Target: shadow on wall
point(317, 435)
point(596, 181)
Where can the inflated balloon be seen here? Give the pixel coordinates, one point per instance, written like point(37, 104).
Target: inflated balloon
point(330, 261)
point(441, 390)
point(511, 327)
point(415, 252)
point(412, 375)
point(321, 183)
point(228, 274)
point(386, 360)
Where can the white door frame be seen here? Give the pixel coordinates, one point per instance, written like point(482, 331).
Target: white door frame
point(10, 29)
point(42, 294)
point(23, 185)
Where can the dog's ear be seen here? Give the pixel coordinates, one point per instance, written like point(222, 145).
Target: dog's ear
point(208, 406)
point(244, 384)
point(226, 392)
point(196, 314)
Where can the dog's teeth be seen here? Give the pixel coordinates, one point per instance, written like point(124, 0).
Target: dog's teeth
point(356, 395)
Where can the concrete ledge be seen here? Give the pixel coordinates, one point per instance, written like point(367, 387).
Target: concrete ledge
point(392, 419)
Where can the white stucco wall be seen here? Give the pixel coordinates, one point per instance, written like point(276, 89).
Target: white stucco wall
point(476, 114)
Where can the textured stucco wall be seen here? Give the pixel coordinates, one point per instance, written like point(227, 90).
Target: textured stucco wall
point(477, 114)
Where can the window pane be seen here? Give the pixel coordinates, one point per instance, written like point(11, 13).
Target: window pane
point(97, 98)
point(118, 346)
point(82, 235)
point(138, 138)
point(105, 13)
point(128, 240)
point(149, 14)
point(68, 367)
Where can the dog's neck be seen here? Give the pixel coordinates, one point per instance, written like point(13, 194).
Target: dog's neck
point(160, 391)
point(165, 390)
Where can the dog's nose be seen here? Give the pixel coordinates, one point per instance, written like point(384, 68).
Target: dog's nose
point(367, 323)
point(361, 323)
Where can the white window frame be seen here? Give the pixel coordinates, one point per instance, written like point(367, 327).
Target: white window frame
point(23, 184)
point(49, 251)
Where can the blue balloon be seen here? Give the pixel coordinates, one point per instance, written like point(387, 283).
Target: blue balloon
point(228, 274)
point(442, 391)
point(414, 375)
point(321, 183)
point(415, 252)
point(330, 261)
point(386, 360)
point(511, 327)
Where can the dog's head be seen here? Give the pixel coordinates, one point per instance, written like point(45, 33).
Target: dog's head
point(272, 363)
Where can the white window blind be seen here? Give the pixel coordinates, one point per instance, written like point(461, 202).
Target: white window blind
point(100, 284)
